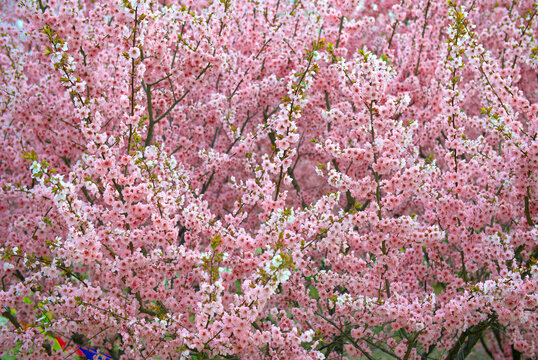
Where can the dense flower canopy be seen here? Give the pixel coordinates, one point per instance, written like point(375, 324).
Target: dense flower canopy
point(276, 179)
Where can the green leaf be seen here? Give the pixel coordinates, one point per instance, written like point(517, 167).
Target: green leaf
point(313, 292)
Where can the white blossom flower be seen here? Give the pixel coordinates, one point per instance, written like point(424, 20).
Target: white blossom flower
point(283, 275)
point(56, 58)
point(134, 53)
point(35, 167)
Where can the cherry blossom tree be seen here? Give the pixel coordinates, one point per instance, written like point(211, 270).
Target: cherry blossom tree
point(276, 179)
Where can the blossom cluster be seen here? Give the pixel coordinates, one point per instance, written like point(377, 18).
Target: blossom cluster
point(272, 179)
